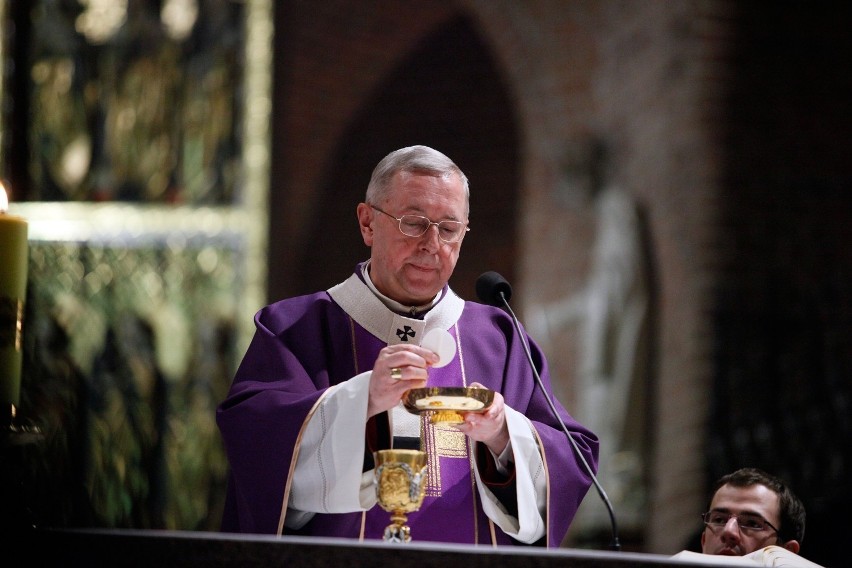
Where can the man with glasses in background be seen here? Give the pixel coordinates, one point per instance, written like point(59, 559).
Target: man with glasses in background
point(750, 510)
point(755, 518)
point(320, 389)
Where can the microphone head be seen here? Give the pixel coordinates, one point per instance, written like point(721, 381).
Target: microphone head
point(489, 287)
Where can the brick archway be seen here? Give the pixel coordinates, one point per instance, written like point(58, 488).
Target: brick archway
point(448, 95)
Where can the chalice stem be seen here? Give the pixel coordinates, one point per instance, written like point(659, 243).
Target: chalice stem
point(398, 531)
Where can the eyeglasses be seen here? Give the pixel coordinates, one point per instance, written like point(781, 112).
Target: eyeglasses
point(417, 225)
point(748, 522)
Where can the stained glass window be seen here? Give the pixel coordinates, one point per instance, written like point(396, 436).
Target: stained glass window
point(134, 139)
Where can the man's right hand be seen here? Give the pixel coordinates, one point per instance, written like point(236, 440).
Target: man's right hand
point(398, 368)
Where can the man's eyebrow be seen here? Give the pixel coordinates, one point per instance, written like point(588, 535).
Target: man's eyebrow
point(416, 210)
point(743, 512)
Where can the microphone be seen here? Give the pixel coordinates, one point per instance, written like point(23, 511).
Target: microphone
point(494, 290)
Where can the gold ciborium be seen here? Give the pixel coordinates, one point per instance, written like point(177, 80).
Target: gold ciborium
point(400, 486)
point(447, 404)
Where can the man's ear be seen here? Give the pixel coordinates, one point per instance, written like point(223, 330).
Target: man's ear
point(365, 219)
point(792, 546)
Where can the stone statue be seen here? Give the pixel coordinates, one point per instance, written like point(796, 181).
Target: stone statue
point(611, 313)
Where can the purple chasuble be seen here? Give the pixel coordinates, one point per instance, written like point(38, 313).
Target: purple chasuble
point(304, 345)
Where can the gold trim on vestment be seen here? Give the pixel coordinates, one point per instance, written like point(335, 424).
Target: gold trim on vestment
point(295, 457)
point(363, 530)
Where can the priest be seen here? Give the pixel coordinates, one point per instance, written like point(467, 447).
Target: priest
point(321, 386)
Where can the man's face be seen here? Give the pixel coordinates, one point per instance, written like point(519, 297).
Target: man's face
point(731, 540)
point(412, 270)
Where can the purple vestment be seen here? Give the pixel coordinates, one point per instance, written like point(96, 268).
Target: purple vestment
point(306, 344)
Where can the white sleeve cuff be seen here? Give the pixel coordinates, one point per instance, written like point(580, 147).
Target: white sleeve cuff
point(328, 477)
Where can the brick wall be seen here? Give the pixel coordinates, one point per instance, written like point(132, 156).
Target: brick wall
point(329, 58)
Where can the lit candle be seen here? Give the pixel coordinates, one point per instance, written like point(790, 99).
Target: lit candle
point(13, 290)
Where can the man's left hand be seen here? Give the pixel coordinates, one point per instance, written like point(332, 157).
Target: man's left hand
point(488, 427)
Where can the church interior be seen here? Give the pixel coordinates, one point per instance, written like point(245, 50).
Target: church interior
point(666, 185)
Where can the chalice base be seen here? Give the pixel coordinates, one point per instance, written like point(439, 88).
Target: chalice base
point(398, 531)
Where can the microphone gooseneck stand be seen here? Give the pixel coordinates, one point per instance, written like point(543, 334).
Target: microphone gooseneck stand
point(493, 289)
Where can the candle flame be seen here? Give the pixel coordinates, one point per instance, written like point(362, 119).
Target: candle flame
point(4, 200)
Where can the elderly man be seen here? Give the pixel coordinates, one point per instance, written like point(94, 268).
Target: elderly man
point(320, 388)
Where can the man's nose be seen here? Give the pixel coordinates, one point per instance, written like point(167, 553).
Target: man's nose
point(732, 529)
point(430, 239)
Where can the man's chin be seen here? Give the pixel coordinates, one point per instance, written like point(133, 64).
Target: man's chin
point(423, 290)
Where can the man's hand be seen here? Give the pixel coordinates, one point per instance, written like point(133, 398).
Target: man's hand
point(398, 368)
point(488, 427)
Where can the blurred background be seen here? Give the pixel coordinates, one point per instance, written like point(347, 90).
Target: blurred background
point(666, 185)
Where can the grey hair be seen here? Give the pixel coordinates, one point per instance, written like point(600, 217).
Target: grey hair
point(413, 159)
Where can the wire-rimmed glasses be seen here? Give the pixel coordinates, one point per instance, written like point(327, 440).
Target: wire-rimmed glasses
point(417, 225)
point(748, 522)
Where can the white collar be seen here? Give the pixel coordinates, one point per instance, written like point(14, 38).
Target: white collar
point(359, 301)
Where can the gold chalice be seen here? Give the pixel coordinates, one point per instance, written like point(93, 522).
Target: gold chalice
point(400, 486)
